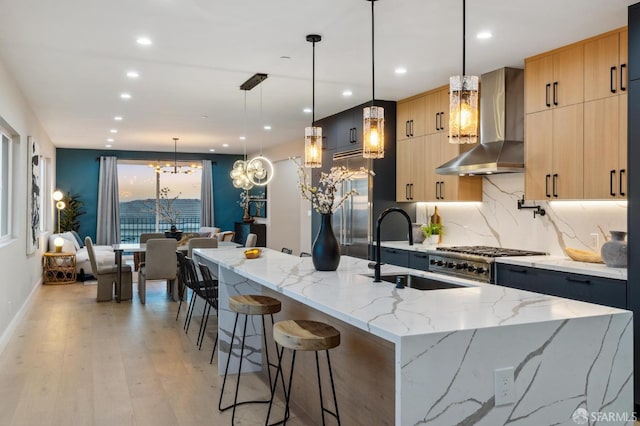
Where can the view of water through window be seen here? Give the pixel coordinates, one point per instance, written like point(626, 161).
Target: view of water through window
point(139, 186)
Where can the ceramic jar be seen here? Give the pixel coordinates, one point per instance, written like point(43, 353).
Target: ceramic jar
point(614, 251)
point(418, 235)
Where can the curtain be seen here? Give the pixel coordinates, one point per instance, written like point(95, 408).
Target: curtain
point(206, 195)
point(108, 229)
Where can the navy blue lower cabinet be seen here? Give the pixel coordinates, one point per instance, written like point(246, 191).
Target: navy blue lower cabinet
point(393, 256)
point(418, 260)
point(587, 288)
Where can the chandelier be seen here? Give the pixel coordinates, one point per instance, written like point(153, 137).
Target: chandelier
point(175, 168)
point(463, 100)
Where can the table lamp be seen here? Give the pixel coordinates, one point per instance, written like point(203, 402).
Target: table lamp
point(58, 242)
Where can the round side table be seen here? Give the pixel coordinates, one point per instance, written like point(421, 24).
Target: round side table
point(59, 268)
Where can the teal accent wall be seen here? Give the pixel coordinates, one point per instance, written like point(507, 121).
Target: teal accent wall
point(77, 171)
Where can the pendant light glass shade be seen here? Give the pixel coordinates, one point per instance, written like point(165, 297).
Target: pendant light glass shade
point(463, 100)
point(373, 129)
point(313, 146)
point(463, 109)
point(373, 116)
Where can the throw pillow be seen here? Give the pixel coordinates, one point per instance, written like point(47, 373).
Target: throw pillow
point(78, 239)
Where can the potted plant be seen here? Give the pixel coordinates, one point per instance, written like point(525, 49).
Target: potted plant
point(432, 232)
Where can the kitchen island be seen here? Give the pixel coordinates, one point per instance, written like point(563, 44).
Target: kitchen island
point(446, 345)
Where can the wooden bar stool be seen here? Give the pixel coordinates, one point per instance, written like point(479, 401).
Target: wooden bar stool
point(247, 305)
point(304, 335)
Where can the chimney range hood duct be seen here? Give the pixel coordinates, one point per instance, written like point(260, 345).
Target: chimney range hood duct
point(501, 148)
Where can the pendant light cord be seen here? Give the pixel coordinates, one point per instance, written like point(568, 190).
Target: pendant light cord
point(373, 62)
point(313, 86)
point(464, 36)
point(244, 126)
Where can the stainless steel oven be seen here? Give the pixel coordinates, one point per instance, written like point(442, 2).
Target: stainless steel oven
point(472, 262)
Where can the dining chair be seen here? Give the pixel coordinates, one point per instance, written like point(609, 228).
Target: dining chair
point(227, 236)
point(201, 243)
point(209, 292)
point(138, 257)
point(252, 240)
point(107, 276)
point(160, 264)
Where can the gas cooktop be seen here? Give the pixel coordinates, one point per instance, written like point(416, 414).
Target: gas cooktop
point(486, 251)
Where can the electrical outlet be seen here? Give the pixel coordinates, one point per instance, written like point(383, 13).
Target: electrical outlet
point(595, 243)
point(504, 386)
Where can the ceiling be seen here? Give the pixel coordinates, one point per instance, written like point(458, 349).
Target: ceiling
point(70, 59)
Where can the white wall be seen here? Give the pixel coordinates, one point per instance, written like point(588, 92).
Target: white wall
point(498, 222)
point(21, 274)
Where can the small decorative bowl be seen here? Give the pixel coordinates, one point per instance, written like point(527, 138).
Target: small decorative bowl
point(252, 253)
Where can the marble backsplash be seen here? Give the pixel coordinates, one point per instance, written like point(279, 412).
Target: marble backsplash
point(496, 221)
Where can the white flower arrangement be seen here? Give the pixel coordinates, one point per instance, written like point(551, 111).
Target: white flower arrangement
point(323, 196)
point(244, 199)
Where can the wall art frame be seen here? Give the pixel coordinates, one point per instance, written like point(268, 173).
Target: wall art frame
point(34, 199)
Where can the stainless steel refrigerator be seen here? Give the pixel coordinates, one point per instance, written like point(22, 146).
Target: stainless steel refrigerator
point(352, 221)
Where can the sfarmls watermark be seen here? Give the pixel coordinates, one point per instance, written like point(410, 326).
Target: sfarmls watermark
point(582, 416)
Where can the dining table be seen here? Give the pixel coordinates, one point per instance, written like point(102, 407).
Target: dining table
point(118, 249)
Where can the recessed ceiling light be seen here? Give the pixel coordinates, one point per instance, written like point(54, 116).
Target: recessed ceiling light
point(226, 145)
point(483, 35)
point(267, 127)
point(347, 93)
point(285, 57)
point(204, 116)
point(401, 70)
point(212, 150)
point(307, 110)
point(114, 130)
point(133, 74)
point(110, 140)
point(242, 138)
point(117, 118)
point(107, 146)
point(144, 41)
point(125, 96)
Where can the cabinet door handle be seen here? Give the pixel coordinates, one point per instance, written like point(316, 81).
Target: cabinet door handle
point(411, 191)
point(612, 79)
point(441, 188)
point(406, 128)
point(555, 93)
point(578, 280)
point(623, 173)
point(441, 125)
point(411, 131)
point(517, 270)
point(437, 125)
point(406, 191)
point(547, 89)
point(612, 175)
point(437, 186)
point(422, 256)
point(547, 178)
point(622, 86)
point(355, 135)
point(555, 185)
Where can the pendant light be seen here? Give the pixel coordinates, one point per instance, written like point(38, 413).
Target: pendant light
point(175, 168)
point(313, 133)
point(373, 116)
point(239, 171)
point(463, 100)
point(260, 168)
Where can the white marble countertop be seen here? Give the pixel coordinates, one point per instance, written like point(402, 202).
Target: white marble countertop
point(554, 263)
point(391, 313)
point(565, 264)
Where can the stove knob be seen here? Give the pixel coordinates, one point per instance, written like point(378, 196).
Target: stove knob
point(471, 268)
point(439, 263)
point(481, 270)
point(462, 266)
point(450, 265)
point(432, 261)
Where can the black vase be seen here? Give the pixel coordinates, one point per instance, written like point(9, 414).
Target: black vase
point(326, 250)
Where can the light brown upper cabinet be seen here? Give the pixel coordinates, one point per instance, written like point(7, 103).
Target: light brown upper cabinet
point(605, 66)
point(605, 148)
point(554, 148)
point(437, 110)
point(411, 169)
point(555, 79)
point(411, 118)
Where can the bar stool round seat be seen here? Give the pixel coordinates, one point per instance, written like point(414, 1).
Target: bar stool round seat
point(248, 305)
point(305, 335)
point(310, 336)
point(253, 304)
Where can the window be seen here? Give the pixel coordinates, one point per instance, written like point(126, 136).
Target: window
point(6, 184)
point(140, 186)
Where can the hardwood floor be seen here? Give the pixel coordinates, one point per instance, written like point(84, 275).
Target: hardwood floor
point(73, 361)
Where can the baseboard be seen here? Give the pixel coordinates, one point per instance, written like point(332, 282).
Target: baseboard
point(11, 328)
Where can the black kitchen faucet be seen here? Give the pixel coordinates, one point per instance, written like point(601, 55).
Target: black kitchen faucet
point(376, 278)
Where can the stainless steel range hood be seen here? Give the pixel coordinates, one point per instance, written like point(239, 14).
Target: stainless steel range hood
point(501, 148)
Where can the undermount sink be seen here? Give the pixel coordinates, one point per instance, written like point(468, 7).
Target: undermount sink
point(418, 282)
